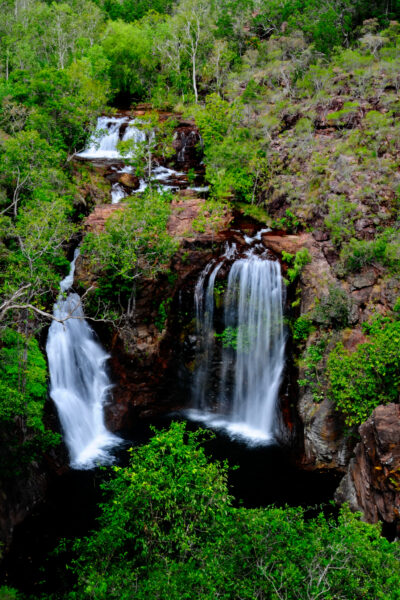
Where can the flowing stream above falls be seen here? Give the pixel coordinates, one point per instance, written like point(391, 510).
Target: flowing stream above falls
point(103, 143)
point(79, 384)
point(253, 348)
point(103, 147)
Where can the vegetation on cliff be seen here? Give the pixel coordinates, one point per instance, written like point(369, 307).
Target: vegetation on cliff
point(297, 106)
point(168, 530)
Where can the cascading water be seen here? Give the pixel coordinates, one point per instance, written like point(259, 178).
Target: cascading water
point(253, 356)
point(102, 146)
point(103, 143)
point(79, 384)
point(204, 303)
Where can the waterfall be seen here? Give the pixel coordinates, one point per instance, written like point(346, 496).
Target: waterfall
point(204, 304)
point(79, 384)
point(253, 357)
point(108, 132)
point(102, 146)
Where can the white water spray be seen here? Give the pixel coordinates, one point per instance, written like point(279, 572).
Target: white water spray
point(103, 143)
point(253, 359)
point(79, 384)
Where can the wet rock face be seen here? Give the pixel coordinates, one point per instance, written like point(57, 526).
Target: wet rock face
point(187, 145)
point(325, 443)
point(372, 482)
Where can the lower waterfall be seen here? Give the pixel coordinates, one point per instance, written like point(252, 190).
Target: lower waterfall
point(253, 353)
point(79, 384)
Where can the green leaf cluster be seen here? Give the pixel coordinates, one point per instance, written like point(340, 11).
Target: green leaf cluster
point(297, 262)
point(362, 379)
point(134, 244)
point(168, 530)
point(23, 392)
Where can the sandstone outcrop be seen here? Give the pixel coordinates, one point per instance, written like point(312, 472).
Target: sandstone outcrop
point(372, 482)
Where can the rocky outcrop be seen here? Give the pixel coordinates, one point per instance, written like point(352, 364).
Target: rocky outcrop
point(317, 276)
point(325, 444)
point(187, 145)
point(145, 354)
point(372, 482)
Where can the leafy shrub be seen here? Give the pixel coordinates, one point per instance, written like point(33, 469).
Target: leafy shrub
point(297, 261)
point(135, 243)
point(313, 363)
point(301, 328)
point(384, 249)
point(289, 222)
point(168, 530)
point(23, 392)
point(333, 310)
point(361, 380)
point(340, 220)
point(229, 337)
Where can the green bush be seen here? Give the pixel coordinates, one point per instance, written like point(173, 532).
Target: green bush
point(301, 328)
point(340, 220)
point(23, 392)
point(297, 261)
point(333, 310)
point(384, 250)
point(313, 363)
point(361, 380)
point(168, 531)
point(135, 243)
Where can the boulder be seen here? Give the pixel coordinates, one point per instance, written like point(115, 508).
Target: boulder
point(130, 181)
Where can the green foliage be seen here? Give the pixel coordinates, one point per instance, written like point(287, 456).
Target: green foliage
point(301, 328)
point(7, 593)
point(169, 479)
point(384, 250)
point(345, 116)
point(289, 222)
point(162, 314)
point(134, 244)
point(297, 261)
point(228, 338)
point(362, 379)
point(313, 364)
point(340, 220)
point(133, 10)
point(333, 310)
point(230, 155)
point(168, 530)
point(23, 392)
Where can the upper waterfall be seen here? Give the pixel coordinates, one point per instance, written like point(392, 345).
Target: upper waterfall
point(79, 383)
point(109, 131)
point(253, 351)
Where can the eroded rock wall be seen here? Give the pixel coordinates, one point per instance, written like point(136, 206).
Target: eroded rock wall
point(372, 482)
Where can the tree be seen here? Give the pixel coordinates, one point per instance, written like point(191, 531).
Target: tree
point(168, 531)
point(192, 22)
point(134, 244)
point(28, 162)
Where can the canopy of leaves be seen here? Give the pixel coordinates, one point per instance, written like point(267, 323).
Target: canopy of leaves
point(23, 392)
point(168, 531)
point(361, 380)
